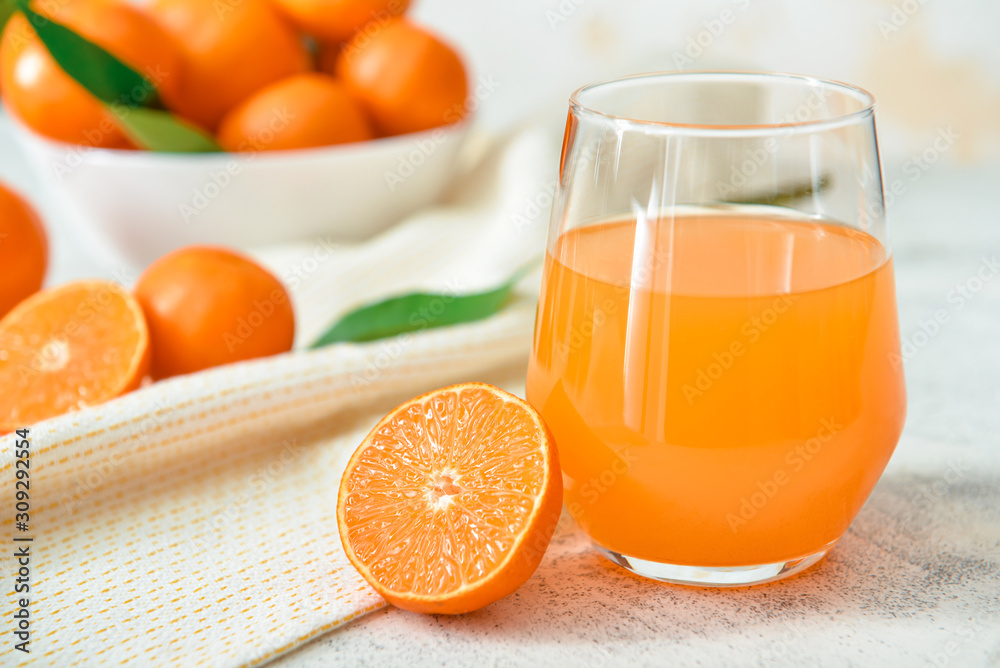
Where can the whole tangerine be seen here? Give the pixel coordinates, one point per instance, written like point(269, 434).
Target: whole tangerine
point(407, 78)
point(23, 250)
point(209, 306)
point(302, 111)
point(339, 20)
point(231, 49)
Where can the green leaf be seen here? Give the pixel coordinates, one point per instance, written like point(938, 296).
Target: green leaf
point(160, 131)
point(418, 311)
point(107, 78)
point(130, 96)
point(6, 9)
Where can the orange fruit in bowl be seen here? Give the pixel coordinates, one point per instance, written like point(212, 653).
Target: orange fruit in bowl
point(302, 111)
point(339, 20)
point(209, 306)
point(408, 79)
point(51, 102)
point(450, 501)
point(67, 348)
point(230, 49)
point(24, 250)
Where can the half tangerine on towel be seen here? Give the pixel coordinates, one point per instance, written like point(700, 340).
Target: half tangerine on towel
point(67, 348)
point(449, 503)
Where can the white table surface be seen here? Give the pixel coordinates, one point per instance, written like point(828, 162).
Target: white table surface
point(916, 582)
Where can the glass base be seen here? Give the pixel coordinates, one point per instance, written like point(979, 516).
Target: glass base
point(714, 576)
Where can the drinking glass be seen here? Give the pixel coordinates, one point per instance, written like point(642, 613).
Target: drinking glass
point(716, 348)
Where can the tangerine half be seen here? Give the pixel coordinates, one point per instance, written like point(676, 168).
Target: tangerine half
point(68, 348)
point(450, 501)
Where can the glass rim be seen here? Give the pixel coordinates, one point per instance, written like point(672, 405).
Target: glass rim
point(866, 100)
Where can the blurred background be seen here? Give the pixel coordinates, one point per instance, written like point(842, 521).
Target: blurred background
point(933, 67)
point(930, 65)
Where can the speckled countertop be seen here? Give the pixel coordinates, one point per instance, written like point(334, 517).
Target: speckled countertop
point(916, 581)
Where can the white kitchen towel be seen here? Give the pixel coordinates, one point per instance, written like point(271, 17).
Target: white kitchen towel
point(192, 522)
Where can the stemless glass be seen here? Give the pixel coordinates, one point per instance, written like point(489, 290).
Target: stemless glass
point(716, 347)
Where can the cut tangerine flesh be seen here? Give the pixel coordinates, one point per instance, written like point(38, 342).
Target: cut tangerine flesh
point(67, 348)
point(450, 501)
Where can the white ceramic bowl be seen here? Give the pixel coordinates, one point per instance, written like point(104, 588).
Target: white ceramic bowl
point(141, 204)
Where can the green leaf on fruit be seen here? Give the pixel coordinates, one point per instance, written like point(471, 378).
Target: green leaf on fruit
point(107, 78)
point(130, 96)
point(160, 131)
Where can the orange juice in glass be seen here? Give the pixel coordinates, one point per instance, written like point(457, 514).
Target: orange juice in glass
point(716, 349)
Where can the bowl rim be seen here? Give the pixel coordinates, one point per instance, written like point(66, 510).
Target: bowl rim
point(142, 158)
